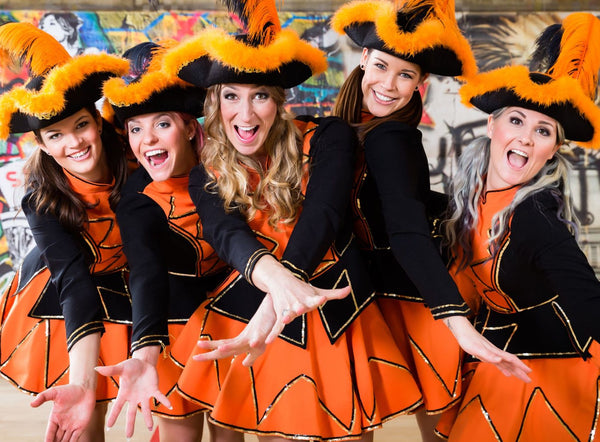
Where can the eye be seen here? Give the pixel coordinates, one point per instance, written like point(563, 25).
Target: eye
point(543, 131)
point(54, 136)
point(82, 124)
point(229, 96)
point(380, 66)
point(261, 96)
point(134, 130)
point(406, 75)
point(163, 124)
point(515, 120)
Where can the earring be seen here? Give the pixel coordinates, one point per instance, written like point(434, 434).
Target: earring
point(191, 138)
point(417, 88)
point(362, 66)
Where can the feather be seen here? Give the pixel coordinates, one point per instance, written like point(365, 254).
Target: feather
point(32, 46)
point(259, 17)
point(413, 13)
point(580, 51)
point(547, 48)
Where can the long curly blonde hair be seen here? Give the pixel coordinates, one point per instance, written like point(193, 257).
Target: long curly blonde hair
point(279, 190)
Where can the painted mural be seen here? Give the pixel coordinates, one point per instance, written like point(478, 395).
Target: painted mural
point(447, 126)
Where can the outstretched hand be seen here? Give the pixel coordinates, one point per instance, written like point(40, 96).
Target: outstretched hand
point(472, 342)
point(138, 384)
point(71, 411)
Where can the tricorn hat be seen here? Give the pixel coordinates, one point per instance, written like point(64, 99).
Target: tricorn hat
point(265, 54)
point(59, 84)
point(568, 56)
point(424, 32)
point(148, 88)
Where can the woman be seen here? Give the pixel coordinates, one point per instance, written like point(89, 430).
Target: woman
point(293, 193)
point(73, 284)
point(512, 228)
point(171, 266)
point(391, 196)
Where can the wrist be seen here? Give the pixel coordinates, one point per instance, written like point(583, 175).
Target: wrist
point(148, 354)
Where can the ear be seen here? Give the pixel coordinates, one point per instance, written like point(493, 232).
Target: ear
point(364, 58)
point(424, 77)
point(490, 126)
point(191, 129)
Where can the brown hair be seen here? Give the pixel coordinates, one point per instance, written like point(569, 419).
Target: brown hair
point(348, 106)
point(50, 190)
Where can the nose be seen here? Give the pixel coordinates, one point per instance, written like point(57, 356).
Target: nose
point(73, 140)
point(388, 81)
point(149, 137)
point(526, 140)
point(246, 109)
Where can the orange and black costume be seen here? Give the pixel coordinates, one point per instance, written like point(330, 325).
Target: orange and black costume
point(390, 202)
point(172, 266)
point(333, 373)
point(69, 284)
point(540, 299)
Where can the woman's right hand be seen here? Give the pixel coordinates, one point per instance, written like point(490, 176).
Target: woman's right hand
point(472, 342)
point(291, 296)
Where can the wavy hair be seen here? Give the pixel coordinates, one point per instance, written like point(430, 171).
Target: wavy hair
point(279, 190)
point(50, 189)
point(468, 184)
point(348, 106)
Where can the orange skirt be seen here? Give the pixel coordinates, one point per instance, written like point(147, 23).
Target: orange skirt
point(169, 371)
point(33, 351)
point(561, 403)
point(432, 352)
point(323, 392)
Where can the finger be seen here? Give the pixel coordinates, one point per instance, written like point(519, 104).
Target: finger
point(44, 396)
point(208, 345)
point(335, 293)
point(76, 435)
point(252, 356)
point(68, 435)
point(147, 416)
point(109, 370)
point(163, 400)
point(114, 413)
point(130, 419)
point(59, 434)
point(51, 431)
point(275, 331)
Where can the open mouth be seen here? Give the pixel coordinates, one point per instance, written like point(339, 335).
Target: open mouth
point(383, 98)
point(246, 133)
point(156, 157)
point(80, 154)
point(517, 158)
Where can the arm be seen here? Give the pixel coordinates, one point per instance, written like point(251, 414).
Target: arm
point(397, 162)
point(73, 403)
point(69, 273)
point(145, 234)
point(333, 151)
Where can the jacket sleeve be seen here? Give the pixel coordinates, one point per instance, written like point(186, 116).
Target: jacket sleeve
point(145, 233)
point(228, 233)
point(559, 258)
point(396, 159)
point(78, 294)
point(333, 150)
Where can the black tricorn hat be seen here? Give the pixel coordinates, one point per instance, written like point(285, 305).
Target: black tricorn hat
point(148, 88)
point(59, 84)
point(266, 54)
point(424, 32)
point(570, 56)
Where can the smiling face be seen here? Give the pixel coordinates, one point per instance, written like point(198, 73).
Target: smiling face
point(161, 142)
point(76, 145)
point(522, 141)
point(388, 83)
point(247, 113)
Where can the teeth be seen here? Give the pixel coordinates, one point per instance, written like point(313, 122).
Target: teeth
point(520, 152)
point(383, 97)
point(247, 128)
point(154, 152)
point(79, 154)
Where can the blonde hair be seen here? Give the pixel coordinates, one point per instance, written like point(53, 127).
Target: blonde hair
point(468, 183)
point(279, 190)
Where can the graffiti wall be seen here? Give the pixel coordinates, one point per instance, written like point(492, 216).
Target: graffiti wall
point(447, 126)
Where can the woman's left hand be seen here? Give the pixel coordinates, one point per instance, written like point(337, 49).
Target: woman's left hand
point(71, 411)
point(138, 385)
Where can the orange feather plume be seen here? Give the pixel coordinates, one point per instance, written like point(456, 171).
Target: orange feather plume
point(579, 51)
point(38, 49)
point(260, 18)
